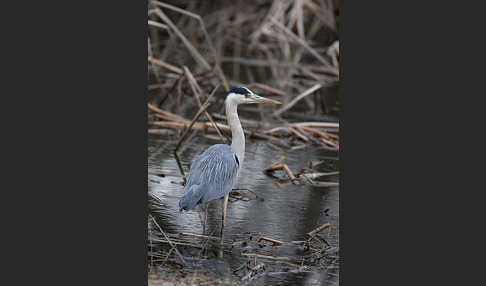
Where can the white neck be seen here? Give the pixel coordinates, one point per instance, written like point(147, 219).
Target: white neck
point(238, 136)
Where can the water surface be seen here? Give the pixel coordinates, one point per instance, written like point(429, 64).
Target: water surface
point(285, 214)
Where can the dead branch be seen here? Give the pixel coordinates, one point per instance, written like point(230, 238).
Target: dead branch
point(266, 256)
point(194, 52)
point(200, 236)
point(168, 240)
point(165, 65)
point(274, 241)
point(319, 229)
point(299, 97)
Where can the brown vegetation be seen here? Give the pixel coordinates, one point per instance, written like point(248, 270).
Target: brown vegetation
point(288, 49)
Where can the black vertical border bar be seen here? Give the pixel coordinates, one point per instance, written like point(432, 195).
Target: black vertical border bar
point(79, 143)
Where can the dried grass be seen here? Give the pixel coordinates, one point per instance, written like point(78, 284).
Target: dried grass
point(281, 47)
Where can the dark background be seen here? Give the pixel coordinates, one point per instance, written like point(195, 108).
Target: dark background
point(74, 92)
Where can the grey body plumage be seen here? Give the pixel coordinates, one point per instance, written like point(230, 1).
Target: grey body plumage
point(212, 176)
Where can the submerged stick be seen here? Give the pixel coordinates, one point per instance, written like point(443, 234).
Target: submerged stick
point(277, 162)
point(170, 242)
point(266, 256)
point(274, 241)
point(180, 167)
point(319, 229)
point(253, 271)
point(156, 198)
point(316, 124)
point(316, 175)
point(200, 236)
point(283, 167)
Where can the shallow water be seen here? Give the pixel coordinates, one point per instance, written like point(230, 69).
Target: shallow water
point(286, 214)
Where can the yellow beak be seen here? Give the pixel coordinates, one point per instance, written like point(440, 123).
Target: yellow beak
point(261, 99)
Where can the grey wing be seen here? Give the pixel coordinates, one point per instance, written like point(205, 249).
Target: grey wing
point(212, 175)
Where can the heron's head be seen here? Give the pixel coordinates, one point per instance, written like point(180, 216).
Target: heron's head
point(242, 95)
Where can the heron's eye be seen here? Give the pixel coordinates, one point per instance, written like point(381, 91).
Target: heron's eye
point(247, 95)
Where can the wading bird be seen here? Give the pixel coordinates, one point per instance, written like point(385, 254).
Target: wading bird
point(214, 172)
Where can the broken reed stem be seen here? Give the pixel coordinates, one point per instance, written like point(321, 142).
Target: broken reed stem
point(253, 271)
point(165, 65)
point(316, 124)
point(329, 142)
point(182, 244)
point(289, 173)
point(151, 248)
point(266, 256)
point(203, 108)
point(318, 175)
point(156, 198)
point(278, 161)
point(166, 114)
point(194, 52)
point(319, 229)
point(168, 255)
point(267, 88)
point(280, 167)
point(206, 35)
point(223, 137)
point(184, 135)
point(318, 132)
point(326, 136)
point(180, 167)
point(157, 24)
point(196, 89)
point(179, 143)
point(296, 99)
point(301, 42)
point(200, 236)
point(170, 242)
point(274, 241)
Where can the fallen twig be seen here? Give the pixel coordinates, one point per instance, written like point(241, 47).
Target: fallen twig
point(266, 256)
point(274, 241)
point(253, 271)
point(200, 236)
point(319, 229)
point(167, 238)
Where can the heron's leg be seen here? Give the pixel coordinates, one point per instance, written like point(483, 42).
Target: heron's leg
point(223, 222)
point(199, 214)
point(205, 217)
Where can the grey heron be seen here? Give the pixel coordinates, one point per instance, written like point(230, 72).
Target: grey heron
point(213, 174)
